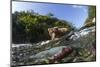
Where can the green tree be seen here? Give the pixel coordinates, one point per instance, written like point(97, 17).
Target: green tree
point(50, 14)
point(92, 11)
point(91, 16)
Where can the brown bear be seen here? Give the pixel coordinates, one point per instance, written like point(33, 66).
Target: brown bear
point(56, 33)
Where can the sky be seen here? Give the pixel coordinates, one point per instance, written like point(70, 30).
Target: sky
point(76, 14)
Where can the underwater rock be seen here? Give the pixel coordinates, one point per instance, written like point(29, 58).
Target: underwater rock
point(50, 52)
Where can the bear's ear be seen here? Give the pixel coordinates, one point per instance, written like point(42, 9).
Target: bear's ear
point(48, 29)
